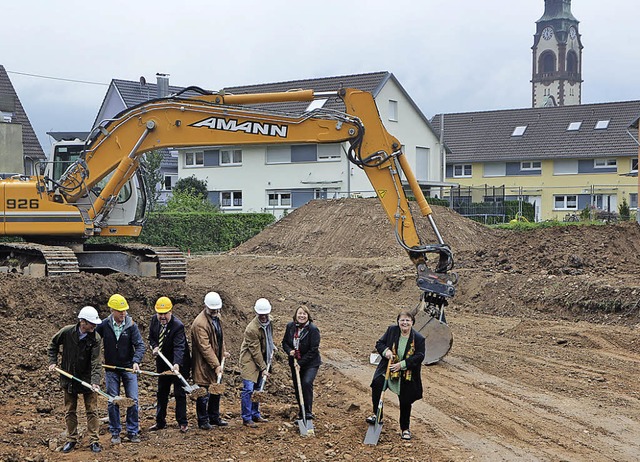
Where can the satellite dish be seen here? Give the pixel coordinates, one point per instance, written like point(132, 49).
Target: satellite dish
point(143, 81)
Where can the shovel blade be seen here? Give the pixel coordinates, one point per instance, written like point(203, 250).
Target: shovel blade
point(306, 427)
point(217, 388)
point(195, 392)
point(122, 401)
point(373, 434)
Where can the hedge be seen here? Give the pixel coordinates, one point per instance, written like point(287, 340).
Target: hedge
point(199, 232)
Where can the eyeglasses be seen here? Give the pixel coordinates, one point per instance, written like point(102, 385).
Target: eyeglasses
point(405, 320)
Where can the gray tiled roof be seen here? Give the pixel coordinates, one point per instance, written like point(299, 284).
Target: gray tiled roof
point(371, 82)
point(133, 93)
point(30, 143)
point(486, 136)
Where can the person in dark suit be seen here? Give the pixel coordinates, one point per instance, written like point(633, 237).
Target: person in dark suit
point(301, 342)
point(166, 334)
point(404, 347)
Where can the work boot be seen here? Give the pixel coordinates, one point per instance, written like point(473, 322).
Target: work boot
point(115, 439)
point(134, 438)
point(218, 422)
point(95, 447)
point(260, 419)
point(249, 423)
point(205, 426)
point(155, 427)
point(68, 446)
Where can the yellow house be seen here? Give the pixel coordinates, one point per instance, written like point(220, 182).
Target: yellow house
point(560, 159)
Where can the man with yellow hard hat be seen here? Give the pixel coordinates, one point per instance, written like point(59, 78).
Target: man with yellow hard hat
point(166, 334)
point(123, 347)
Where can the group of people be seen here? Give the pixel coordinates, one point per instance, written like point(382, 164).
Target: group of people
point(123, 348)
point(402, 350)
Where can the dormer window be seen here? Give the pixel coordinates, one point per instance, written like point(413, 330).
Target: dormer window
point(519, 130)
point(574, 126)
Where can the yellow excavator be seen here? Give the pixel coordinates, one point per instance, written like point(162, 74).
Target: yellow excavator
point(95, 188)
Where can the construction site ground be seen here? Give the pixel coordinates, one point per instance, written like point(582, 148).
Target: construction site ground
point(545, 363)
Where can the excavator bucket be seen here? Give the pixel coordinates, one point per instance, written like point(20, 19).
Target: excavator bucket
point(437, 334)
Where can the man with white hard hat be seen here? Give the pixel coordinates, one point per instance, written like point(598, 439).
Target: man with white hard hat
point(256, 354)
point(209, 350)
point(81, 358)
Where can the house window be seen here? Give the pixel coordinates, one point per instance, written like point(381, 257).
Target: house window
point(574, 126)
point(194, 159)
point(230, 199)
point(634, 164)
point(519, 130)
point(393, 110)
point(531, 165)
point(565, 202)
point(280, 199)
point(604, 163)
point(601, 125)
point(462, 171)
point(169, 182)
point(231, 157)
point(278, 154)
point(633, 200)
point(328, 152)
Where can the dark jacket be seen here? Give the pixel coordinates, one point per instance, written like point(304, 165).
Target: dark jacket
point(128, 349)
point(80, 358)
point(174, 347)
point(309, 345)
point(410, 390)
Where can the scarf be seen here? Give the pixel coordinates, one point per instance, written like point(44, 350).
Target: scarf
point(268, 333)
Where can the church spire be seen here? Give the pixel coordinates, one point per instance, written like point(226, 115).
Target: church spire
point(557, 57)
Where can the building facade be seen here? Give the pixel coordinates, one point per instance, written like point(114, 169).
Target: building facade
point(561, 159)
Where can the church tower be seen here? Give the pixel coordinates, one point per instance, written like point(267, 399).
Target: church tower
point(557, 57)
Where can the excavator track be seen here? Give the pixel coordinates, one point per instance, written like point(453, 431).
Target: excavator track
point(171, 261)
point(38, 259)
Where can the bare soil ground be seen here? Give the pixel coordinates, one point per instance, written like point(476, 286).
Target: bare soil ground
point(544, 366)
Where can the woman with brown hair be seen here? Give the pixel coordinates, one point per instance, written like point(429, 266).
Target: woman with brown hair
point(301, 342)
point(404, 347)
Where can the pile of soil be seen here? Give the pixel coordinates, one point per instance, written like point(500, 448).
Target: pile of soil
point(539, 318)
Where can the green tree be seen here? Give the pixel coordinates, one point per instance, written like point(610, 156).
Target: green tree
point(624, 211)
point(152, 175)
point(193, 186)
point(187, 201)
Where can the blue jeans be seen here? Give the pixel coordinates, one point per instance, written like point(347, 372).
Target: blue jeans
point(130, 382)
point(250, 410)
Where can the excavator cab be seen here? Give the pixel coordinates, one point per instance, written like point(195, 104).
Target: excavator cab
point(130, 207)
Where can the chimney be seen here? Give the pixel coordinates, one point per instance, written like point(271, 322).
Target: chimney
point(163, 85)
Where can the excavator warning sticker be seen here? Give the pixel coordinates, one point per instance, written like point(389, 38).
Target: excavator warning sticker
point(249, 126)
point(382, 193)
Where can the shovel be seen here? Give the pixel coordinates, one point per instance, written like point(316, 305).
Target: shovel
point(259, 395)
point(373, 432)
point(194, 391)
point(306, 426)
point(119, 400)
point(140, 371)
point(218, 388)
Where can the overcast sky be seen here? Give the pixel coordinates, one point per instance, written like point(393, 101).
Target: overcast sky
point(450, 55)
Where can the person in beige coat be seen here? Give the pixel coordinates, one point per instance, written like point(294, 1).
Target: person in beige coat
point(256, 353)
point(208, 351)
